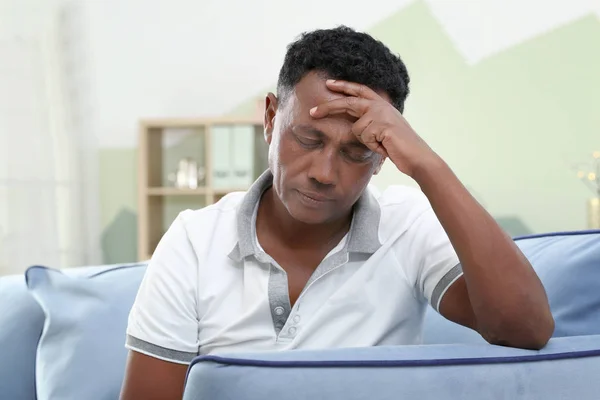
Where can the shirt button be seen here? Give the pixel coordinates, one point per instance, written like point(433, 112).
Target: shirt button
point(296, 318)
point(292, 331)
point(279, 326)
point(279, 310)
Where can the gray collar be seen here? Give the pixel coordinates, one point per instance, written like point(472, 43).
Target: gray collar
point(364, 230)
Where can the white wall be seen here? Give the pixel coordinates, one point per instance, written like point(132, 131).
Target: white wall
point(195, 58)
point(480, 28)
point(42, 202)
point(129, 59)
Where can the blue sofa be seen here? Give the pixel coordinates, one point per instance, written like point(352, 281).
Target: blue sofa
point(62, 335)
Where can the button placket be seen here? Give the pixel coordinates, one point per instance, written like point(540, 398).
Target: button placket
point(278, 298)
point(286, 319)
point(279, 310)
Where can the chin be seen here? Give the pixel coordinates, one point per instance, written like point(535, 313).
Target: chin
point(309, 215)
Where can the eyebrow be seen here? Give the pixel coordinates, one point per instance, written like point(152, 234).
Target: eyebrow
point(321, 135)
point(309, 129)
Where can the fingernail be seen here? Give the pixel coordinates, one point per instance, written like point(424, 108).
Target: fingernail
point(313, 110)
point(330, 80)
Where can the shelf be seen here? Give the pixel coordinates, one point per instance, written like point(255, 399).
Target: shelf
point(224, 191)
point(165, 142)
point(196, 122)
point(173, 191)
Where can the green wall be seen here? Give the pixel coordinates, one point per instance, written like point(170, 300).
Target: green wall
point(509, 126)
point(118, 202)
point(118, 180)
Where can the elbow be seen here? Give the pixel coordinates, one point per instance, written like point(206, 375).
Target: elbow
point(532, 334)
point(545, 333)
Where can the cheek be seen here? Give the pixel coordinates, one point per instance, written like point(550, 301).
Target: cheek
point(273, 154)
point(290, 152)
point(356, 178)
point(286, 157)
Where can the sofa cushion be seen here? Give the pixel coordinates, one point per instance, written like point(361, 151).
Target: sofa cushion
point(21, 323)
point(86, 318)
point(568, 368)
point(568, 264)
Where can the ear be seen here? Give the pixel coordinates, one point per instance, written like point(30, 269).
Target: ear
point(269, 119)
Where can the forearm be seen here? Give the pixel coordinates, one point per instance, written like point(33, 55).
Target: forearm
point(507, 298)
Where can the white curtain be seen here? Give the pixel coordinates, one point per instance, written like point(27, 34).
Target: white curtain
point(48, 186)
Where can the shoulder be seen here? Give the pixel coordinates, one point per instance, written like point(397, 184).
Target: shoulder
point(212, 225)
point(400, 201)
point(401, 207)
point(399, 195)
point(224, 211)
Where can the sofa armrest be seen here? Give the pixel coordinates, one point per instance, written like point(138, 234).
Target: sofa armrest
point(565, 368)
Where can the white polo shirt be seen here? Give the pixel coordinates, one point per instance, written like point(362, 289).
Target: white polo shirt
point(210, 288)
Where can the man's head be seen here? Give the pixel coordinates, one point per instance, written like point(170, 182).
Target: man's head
point(321, 158)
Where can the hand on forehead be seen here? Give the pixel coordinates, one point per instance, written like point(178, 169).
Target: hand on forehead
point(314, 90)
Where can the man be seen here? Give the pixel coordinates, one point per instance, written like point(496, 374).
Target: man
point(310, 257)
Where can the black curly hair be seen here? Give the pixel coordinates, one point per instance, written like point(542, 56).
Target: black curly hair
point(343, 53)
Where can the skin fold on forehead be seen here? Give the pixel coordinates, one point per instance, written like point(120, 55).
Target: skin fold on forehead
point(308, 93)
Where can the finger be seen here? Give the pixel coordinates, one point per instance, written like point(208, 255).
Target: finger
point(354, 106)
point(381, 150)
point(362, 125)
point(367, 132)
point(352, 89)
point(374, 145)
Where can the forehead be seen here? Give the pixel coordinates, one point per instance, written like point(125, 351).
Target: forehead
point(312, 91)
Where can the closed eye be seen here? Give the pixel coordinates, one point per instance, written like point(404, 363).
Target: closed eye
point(307, 142)
point(358, 156)
point(357, 152)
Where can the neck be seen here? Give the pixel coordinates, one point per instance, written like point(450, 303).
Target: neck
point(273, 214)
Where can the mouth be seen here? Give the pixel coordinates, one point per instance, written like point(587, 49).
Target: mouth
point(314, 198)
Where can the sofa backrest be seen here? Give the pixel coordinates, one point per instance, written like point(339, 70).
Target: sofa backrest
point(568, 264)
point(21, 324)
point(22, 321)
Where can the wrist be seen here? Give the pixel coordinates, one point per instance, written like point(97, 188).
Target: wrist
point(427, 168)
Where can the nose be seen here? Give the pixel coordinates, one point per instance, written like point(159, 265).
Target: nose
point(323, 168)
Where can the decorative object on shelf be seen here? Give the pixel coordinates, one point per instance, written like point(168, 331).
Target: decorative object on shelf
point(188, 174)
point(589, 173)
point(233, 155)
point(221, 145)
point(594, 213)
point(226, 155)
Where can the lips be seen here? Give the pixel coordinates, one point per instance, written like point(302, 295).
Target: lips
point(315, 197)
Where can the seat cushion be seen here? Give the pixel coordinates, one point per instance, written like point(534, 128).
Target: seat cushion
point(568, 368)
point(568, 264)
point(81, 353)
point(21, 323)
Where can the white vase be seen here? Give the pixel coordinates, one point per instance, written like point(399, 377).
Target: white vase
point(593, 213)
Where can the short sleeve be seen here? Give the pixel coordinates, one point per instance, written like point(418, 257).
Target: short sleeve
point(431, 262)
point(163, 321)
